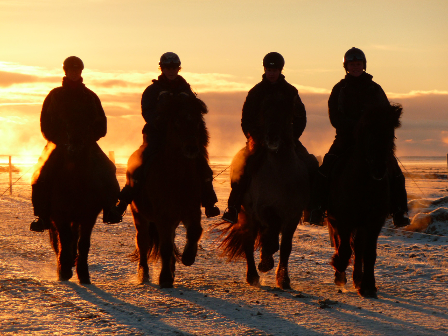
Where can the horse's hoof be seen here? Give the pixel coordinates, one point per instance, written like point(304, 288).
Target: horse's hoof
point(189, 255)
point(166, 285)
point(266, 264)
point(143, 275)
point(65, 276)
point(253, 280)
point(284, 284)
point(340, 279)
point(85, 281)
point(368, 293)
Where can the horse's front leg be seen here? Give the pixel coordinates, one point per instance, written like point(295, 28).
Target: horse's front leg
point(65, 257)
point(167, 252)
point(342, 255)
point(368, 287)
point(145, 239)
point(269, 245)
point(194, 232)
point(282, 276)
point(85, 232)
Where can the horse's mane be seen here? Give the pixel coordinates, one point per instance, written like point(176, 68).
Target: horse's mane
point(169, 110)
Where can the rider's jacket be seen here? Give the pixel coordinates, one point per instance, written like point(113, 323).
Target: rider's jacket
point(252, 105)
point(153, 92)
point(72, 112)
point(349, 98)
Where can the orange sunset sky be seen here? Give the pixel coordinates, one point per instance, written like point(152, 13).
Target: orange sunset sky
point(221, 45)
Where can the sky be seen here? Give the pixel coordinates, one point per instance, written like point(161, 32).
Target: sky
point(221, 45)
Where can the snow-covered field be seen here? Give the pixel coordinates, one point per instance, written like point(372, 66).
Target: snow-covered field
point(211, 297)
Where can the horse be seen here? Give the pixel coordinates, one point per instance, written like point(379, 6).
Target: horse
point(171, 191)
point(78, 194)
point(275, 199)
point(359, 196)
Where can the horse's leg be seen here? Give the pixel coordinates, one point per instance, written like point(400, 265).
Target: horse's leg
point(54, 240)
point(342, 256)
point(194, 232)
point(252, 276)
point(368, 288)
point(65, 257)
point(269, 242)
point(142, 241)
point(166, 233)
point(358, 251)
point(82, 268)
point(282, 275)
point(75, 228)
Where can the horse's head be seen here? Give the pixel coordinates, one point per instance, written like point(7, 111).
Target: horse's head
point(186, 128)
point(275, 122)
point(375, 137)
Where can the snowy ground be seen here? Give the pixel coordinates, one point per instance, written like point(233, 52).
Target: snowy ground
point(211, 297)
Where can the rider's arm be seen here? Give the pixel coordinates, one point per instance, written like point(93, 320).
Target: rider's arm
point(299, 117)
point(99, 126)
point(248, 118)
point(149, 104)
point(48, 121)
point(336, 119)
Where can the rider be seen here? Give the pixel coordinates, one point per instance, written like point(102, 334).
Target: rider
point(347, 101)
point(273, 82)
point(169, 82)
point(69, 112)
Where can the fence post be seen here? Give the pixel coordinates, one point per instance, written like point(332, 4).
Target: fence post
point(10, 176)
point(112, 156)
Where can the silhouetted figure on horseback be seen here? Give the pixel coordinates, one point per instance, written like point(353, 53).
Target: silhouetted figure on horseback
point(273, 83)
point(72, 120)
point(349, 100)
point(169, 83)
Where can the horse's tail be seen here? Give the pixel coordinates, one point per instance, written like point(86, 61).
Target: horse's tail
point(153, 242)
point(236, 237)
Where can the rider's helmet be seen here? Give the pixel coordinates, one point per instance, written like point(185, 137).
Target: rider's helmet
point(169, 58)
point(354, 54)
point(73, 62)
point(274, 60)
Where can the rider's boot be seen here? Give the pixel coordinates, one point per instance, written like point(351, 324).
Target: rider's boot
point(40, 224)
point(209, 198)
point(234, 204)
point(399, 201)
point(115, 213)
point(319, 191)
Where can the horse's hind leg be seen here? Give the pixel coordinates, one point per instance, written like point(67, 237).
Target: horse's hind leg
point(194, 232)
point(368, 287)
point(82, 268)
point(341, 257)
point(282, 275)
point(65, 257)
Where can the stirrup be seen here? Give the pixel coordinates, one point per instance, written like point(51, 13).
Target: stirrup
point(39, 225)
point(231, 215)
point(115, 214)
point(212, 211)
point(401, 219)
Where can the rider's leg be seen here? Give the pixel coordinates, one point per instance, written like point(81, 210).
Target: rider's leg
point(319, 191)
point(239, 187)
point(399, 199)
point(136, 179)
point(208, 198)
point(41, 193)
point(312, 165)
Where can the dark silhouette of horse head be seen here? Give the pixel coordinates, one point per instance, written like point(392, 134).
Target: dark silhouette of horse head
point(375, 137)
point(276, 122)
point(185, 124)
